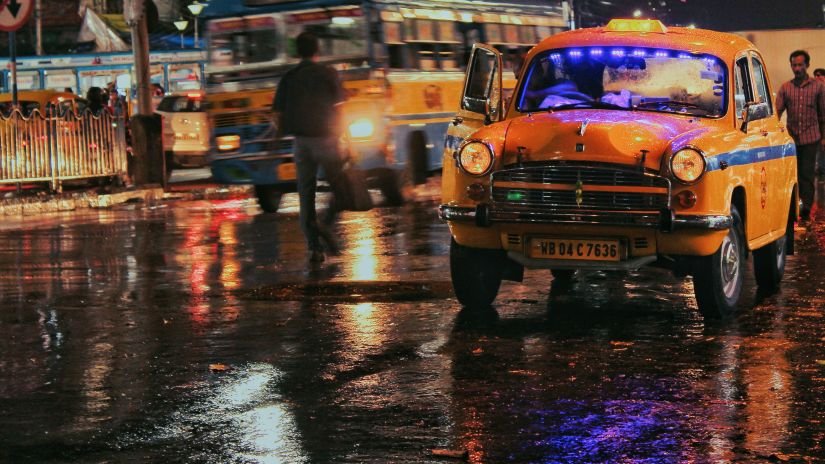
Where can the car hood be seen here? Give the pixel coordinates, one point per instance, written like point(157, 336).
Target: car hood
point(609, 136)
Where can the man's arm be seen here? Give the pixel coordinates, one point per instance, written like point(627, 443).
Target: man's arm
point(820, 109)
point(780, 101)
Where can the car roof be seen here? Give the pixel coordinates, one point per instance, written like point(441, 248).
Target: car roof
point(720, 44)
point(39, 96)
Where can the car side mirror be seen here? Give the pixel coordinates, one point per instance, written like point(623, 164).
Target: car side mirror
point(753, 112)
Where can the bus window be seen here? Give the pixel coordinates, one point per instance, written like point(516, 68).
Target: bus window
point(59, 80)
point(183, 77)
point(244, 46)
point(28, 80)
point(493, 31)
point(338, 36)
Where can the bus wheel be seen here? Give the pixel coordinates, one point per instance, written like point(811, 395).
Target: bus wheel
point(718, 279)
point(417, 159)
point(269, 197)
point(476, 274)
point(387, 180)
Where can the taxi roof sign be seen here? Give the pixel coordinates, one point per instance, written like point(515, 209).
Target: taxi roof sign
point(636, 25)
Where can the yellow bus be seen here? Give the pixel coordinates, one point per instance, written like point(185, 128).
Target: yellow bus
point(401, 64)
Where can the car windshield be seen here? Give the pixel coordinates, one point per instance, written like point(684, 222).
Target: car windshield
point(669, 81)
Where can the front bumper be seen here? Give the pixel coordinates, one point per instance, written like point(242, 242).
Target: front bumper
point(665, 220)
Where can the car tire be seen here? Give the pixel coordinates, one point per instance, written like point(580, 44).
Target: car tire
point(387, 180)
point(563, 276)
point(769, 261)
point(269, 197)
point(719, 278)
point(169, 165)
point(476, 274)
point(417, 160)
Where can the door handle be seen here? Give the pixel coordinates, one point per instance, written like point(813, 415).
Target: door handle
point(765, 133)
point(457, 120)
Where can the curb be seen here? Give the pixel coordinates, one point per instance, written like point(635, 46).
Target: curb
point(150, 194)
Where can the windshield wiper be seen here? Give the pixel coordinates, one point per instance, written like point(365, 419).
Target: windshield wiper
point(590, 104)
point(671, 103)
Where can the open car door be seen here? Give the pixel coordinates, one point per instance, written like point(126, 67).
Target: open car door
point(481, 101)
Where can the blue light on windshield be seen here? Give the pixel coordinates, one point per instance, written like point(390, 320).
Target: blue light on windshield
point(575, 53)
point(639, 53)
point(596, 52)
point(662, 54)
point(685, 56)
point(617, 52)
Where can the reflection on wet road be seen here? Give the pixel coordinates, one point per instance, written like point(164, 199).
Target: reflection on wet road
point(195, 332)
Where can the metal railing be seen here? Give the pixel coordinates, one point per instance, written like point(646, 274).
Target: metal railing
point(49, 148)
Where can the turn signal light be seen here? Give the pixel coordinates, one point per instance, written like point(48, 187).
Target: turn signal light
point(686, 199)
point(228, 142)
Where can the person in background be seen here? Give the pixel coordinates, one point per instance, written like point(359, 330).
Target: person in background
point(819, 74)
point(96, 100)
point(306, 106)
point(803, 98)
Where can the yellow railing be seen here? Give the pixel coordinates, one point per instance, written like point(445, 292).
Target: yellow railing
point(69, 146)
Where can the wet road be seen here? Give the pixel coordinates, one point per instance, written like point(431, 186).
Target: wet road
point(194, 332)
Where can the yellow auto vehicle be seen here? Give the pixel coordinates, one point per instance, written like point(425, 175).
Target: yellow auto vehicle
point(30, 100)
point(629, 145)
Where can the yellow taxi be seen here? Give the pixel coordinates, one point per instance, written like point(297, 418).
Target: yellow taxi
point(623, 146)
point(30, 100)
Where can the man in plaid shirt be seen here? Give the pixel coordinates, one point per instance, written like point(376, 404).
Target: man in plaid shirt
point(803, 98)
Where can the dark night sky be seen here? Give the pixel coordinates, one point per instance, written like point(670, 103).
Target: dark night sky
point(723, 15)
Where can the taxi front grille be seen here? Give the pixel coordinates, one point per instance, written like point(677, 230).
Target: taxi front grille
point(579, 187)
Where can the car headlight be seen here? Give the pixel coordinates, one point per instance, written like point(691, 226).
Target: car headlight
point(361, 128)
point(475, 158)
point(687, 165)
point(228, 142)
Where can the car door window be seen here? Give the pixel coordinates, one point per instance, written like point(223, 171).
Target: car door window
point(742, 82)
point(761, 83)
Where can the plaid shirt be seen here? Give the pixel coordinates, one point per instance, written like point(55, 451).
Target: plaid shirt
point(805, 104)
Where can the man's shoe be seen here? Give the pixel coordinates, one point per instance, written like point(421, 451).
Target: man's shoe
point(316, 256)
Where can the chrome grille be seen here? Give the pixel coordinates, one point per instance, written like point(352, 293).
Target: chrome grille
point(554, 188)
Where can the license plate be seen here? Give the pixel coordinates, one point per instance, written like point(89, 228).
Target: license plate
point(286, 171)
point(585, 250)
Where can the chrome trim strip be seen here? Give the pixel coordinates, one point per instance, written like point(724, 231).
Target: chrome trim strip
point(651, 219)
point(718, 222)
point(533, 263)
point(456, 213)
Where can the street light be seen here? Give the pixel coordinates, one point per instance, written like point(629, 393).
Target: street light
point(637, 14)
point(196, 8)
point(180, 25)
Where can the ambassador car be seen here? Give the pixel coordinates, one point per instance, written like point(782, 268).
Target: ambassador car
point(625, 146)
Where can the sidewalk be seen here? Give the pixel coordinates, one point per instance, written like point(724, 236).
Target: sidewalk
point(93, 198)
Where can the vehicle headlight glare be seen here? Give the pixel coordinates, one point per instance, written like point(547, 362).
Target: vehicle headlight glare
point(475, 158)
point(361, 128)
point(687, 165)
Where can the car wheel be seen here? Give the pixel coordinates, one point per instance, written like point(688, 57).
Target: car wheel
point(718, 280)
point(476, 274)
point(563, 276)
point(269, 197)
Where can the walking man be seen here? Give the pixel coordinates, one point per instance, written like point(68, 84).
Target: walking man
point(819, 74)
point(306, 106)
point(803, 98)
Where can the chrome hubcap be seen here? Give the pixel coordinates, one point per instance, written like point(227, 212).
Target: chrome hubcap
point(730, 264)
